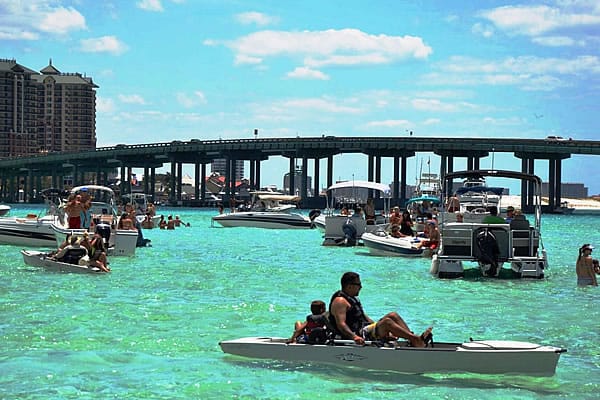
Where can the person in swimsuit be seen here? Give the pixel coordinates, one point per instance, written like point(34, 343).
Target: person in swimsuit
point(349, 320)
point(586, 275)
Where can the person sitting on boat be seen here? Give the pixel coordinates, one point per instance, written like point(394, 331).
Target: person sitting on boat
point(126, 223)
point(395, 216)
point(370, 212)
point(344, 211)
point(98, 254)
point(460, 217)
point(349, 321)
point(493, 218)
point(453, 203)
point(72, 253)
point(431, 236)
point(510, 214)
point(315, 323)
point(586, 276)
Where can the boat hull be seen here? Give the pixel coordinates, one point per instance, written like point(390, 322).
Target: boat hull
point(122, 242)
point(386, 245)
point(266, 219)
point(482, 357)
point(38, 259)
point(27, 232)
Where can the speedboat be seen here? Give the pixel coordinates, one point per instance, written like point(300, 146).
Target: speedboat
point(4, 209)
point(33, 230)
point(41, 259)
point(335, 224)
point(480, 356)
point(491, 246)
point(119, 242)
point(141, 202)
point(381, 243)
point(267, 210)
point(476, 198)
point(263, 219)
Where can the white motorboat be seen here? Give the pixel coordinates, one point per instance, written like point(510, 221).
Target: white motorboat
point(491, 246)
point(263, 219)
point(141, 202)
point(350, 193)
point(33, 230)
point(41, 259)
point(4, 209)
point(482, 357)
point(268, 210)
point(120, 242)
point(381, 243)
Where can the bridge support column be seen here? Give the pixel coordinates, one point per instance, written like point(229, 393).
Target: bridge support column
point(396, 183)
point(304, 180)
point(197, 181)
point(317, 183)
point(292, 180)
point(329, 171)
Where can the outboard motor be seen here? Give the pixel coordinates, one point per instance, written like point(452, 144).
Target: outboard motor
point(489, 250)
point(141, 242)
point(104, 231)
point(349, 233)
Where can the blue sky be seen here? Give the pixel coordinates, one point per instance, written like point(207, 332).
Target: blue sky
point(209, 69)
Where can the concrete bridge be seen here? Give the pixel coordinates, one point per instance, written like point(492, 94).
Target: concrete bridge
point(26, 173)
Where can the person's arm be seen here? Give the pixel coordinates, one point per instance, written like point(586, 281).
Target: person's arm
point(339, 307)
point(297, 332)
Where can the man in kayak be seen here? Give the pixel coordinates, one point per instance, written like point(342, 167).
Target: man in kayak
point(350, 321)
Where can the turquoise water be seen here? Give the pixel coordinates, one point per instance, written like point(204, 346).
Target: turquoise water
point(150, 329)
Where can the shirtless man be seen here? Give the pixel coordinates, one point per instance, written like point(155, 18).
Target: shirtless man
point(351, 322)
point(74, 208)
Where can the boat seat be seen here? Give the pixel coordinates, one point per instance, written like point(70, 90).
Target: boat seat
point(521, 236)
point(457, 240)
point(72, 256)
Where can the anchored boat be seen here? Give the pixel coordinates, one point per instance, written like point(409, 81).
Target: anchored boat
point(482, 357)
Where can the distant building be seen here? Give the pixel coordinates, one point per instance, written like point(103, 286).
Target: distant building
point(571, 190)
point(220, 165)
point(297, 183)
point(46, 111)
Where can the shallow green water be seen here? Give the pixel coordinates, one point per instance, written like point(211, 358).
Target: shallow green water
point(150, 329)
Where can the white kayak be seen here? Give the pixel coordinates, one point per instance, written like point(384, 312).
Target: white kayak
point(482, 357)
point(40, 259)
point(382, 244)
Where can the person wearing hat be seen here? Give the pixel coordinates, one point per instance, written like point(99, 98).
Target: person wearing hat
point(584, 268)
point(510, 214)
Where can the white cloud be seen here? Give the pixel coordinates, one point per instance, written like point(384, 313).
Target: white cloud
point(257, 18)
point(321, 105)
point(25, 20)
point(307, 73)
point(482, 29)
point(105, 105)
point(132, 99)
point(327, 48)
point(62, 20)
point(150, 5)
point(104, 44)
point(433, 105)
point(557, 41)
point(389, 123)
point(539, 19)
point(189, 101)
point(432, 121)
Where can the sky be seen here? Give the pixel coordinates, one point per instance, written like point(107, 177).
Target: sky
point(209, 69)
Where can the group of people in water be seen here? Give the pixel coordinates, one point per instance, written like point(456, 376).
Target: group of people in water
point(346, 319)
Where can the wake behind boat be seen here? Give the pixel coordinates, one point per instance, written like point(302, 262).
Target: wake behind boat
point(482, 357)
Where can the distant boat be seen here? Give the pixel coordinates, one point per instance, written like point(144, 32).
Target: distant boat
point(4, 209)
